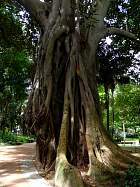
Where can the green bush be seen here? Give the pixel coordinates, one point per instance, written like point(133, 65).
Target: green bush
point(12, 138)
point(117, 138)
point(132, 178)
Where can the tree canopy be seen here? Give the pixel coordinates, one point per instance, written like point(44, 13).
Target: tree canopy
point(127, 106)
point(15, 67)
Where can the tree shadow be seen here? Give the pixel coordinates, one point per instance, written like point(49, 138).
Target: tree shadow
point(16, 165)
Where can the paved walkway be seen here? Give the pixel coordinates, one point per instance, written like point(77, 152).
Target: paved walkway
point(16, 167)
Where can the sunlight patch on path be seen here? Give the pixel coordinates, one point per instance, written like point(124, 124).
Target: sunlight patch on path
point(16, 167)
point(31, 174)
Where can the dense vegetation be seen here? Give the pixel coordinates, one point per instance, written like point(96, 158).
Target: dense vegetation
point(7, 137)
point(124, 108)
point(15, 68)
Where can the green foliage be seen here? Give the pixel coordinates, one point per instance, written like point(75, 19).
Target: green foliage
point(132, 177)
point(11, 33)
point(114, 64)
point(127, 105)
point(14, 79)
point(126, 109)
point(87, 11)
point(15, 66)
point(13, 139)
point(126, 14)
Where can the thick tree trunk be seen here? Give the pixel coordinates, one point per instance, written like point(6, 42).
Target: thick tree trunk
point(113, 113)
point(64, 172)
point(63, 107)
point(107, 108)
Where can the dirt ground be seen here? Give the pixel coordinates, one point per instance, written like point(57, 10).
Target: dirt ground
point(11, 174)
point(11, 157)
point(17, 170)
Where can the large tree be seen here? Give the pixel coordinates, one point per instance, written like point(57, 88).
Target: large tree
point(127, 104)
point(14, 67)
point(113, 66)
point(63, 106)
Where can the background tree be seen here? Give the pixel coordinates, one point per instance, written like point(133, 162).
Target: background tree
point(15, 67)
point(127, 104)
point(113, 68)
point(117, 58)
point(116, 65)
point(63, 106)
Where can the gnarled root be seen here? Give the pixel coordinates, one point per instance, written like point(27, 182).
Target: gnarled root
point(67, 175)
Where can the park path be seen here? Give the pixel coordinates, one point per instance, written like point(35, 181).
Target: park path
point(16, 167)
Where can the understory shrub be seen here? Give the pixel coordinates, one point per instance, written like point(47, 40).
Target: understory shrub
point(12, 138)
point(132, 178)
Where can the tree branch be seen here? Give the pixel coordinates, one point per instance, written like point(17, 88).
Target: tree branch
point(114, 30)
point(39, 10)
point(101, 8)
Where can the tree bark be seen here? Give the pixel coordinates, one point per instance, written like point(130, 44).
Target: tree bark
point(107, 108)
point(113, 112)
point(63, 108)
